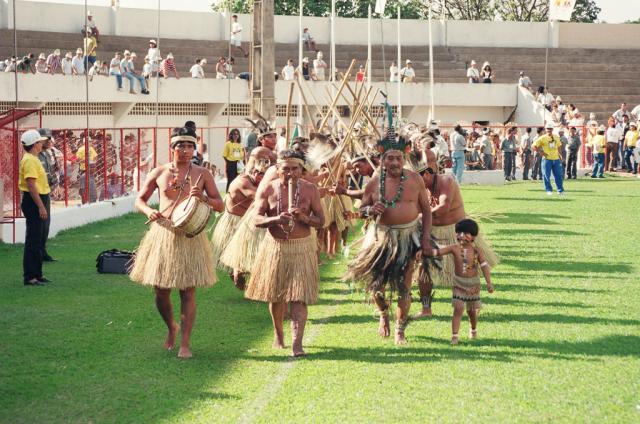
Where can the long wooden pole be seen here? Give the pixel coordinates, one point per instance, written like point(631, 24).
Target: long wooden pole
point(288, 134)
point(306, 105)
point(335, 99)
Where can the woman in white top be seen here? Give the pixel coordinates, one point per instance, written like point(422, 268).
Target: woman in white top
point(197, 71)
point(486, 73)
point(393, 72)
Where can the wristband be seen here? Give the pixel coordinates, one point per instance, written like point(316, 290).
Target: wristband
point(483, 264)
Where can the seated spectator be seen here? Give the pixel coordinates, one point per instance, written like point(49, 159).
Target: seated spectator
point(114, 69)
point(169, 66)
point(53, 62)
point(408, 74)
point(474, 163)
point(3, 64)
point(486, 73)
point(154, 57)
point(229, 67)
point(572, 110)
point(77, 64)
point(92, 27)
point(524, 81)
point(393, 72)
point(98, 68)
point(319, 67)
point(130, 73)
point(473, 74)
point(146, 70)
point(66, 64)
point(555, 115)
point(545, 98)
point(11, 64)
point(288, 71)
point(360, 74)
point(197, 70)
point(25, 64)
point(41, 64)
point(308, 40)
point(221, 69)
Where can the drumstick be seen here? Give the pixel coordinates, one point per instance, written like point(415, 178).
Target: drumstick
point(196, 184)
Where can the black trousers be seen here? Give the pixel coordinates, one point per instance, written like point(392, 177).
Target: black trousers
point(572, 164)
point(232, 171)
point(33, 243)
point(526, 164)
point(537, 167)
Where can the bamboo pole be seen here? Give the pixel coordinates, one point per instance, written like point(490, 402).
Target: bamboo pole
point(288, 134)
point(306, 104)
point(323, 123)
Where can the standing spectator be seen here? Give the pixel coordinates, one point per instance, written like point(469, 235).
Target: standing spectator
point(308, 40)
point(548, 146)
point(25, 65)
point(233, 153)
point(92, 27)
point(288, 71)
point(537, 157)
point(67, 64)
point(48, 160)
point(630, 140)
point(35, 205)
point(563, 148)
point(304, 69)
point(146, 70)
point(251, 141)
point(508, 148)
point(41, 64)
point(11, 65)
point(196, 70)
point(131, 75)
point(545, 98)
point(613, 138)
point(221, 69)
point(524, 81)
point(408, 74)
point(236, 35)
point(458, 146)
point(154, 57)
point(573, 147)
point(618, 114)
point(623, 128)
point(473, 74)
point(486, 147)
point(525, 149)
point(89, 196)
point(229, 67)
point(114, 69)
point(53, 62)
point(598, 146)
point(635, 113)
point(486, 74)
point(319, 67)
point(360, 74)
point(393, 72)
point(169, 66)
point(592, 129)
point(77, 64)
point(90, 49)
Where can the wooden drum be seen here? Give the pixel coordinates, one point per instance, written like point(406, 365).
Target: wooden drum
point(191, 216)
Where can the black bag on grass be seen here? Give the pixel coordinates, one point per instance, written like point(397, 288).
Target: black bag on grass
point(114, 261)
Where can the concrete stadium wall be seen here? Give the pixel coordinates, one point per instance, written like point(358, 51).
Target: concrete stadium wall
point(54, 17)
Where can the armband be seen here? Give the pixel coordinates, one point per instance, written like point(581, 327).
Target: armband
point(483, 264)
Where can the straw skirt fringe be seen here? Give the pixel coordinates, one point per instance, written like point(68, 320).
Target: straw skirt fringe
point(285, 271)
point(240, 253)
point(167, 259)
point(222, 235)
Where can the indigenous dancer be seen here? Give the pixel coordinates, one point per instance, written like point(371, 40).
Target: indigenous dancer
point(396, 197)
point(466, 287)
point(364, 168)
point(241, 194)
point(286, 267)
point(166, 259)
point(447, 208)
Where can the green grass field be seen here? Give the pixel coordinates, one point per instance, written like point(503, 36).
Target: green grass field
point(559, 340)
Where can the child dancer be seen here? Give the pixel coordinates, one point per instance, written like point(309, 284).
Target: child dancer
point(466, 287)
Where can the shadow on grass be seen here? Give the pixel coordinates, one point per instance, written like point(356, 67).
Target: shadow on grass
point(536, 199)
point(528, 218)
point(535, 231)
point(569, 266)
point(530, 287)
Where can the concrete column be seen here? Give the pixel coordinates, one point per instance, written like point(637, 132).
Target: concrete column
point(263, 60)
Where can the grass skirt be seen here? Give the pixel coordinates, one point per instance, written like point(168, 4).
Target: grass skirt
point(466, 291)
point(385, 254)
point(222, 234)
point(240, 253)
point(445, 235)
point(285, 271)
point(169, 260)
point(334, 211)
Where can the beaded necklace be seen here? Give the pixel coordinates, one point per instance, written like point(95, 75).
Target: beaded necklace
point(398, 196)
point(280, 207)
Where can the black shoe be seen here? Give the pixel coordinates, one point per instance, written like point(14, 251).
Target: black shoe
point(33, 282)
point(48, 258)
point(44, 280)
point(145, 91)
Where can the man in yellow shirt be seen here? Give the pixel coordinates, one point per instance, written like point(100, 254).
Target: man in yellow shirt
point(35, 205)
point(630, 140)
point(233, 153)
point(548, 145)
point(598, 145)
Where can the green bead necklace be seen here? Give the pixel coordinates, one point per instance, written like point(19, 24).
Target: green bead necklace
point(398, 196)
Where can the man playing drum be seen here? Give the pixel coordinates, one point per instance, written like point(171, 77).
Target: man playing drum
point(166, 258)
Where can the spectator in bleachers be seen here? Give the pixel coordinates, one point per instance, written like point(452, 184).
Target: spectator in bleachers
point(114, 69)
point(229, 67)
point(3, 64)
point(288, 71)
point(304, 69)
point(154, 57)
point(524, 81)
point(319, 67)
point(572, 111)
point(360, 74)
point(630, 140)
point(525, 152)
point(146, 70)
point(53, 62)
point(236, 35)
point(562, 109)
point(197, 71)
point(169, 66)
point(472, 73)
point(96, 69)
point(90, 48)
point(77, 64)
point(25, 65)
point(41, 64)
point(92, 27)
point(221, 69)
point(408, 74)
point(130, 73)
point(618, 114)
point(573, 147)
point(308, 40)
point(635, 113)
point(10, 64)
point(486, 73)
point(545, 98)
point(66, 64)
point(393, 72)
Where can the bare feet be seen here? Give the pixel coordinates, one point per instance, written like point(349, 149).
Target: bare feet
point(298, 351)
point(473, 334)
point(170, 343)
point(240, 282)
point(400, 338)
point(383, 328)
point(426, 312)
point(454, 339)
point(184, 352)
point(278, 343)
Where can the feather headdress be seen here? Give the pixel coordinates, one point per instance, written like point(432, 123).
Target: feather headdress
point(261, 125)
point(321, 150)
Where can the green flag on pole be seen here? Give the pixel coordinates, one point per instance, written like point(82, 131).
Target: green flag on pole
point(294, 135)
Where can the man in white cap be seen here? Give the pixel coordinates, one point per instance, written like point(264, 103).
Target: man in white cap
point(66, 64)
point(154, 57)
point(92, 28)
point(53, 62)
point(549, 147)
point(131, 75)
point(473, 73)
point(77, 63)
point(41, 64)
point(35, 205)
point(408, 74)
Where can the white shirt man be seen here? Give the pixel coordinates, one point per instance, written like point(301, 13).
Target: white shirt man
point(319, 66)
point(197, 71)
point(613, 135)
point(408, 74)
point(635, 113)
point(77, 63)
point(288, 71)
point(524, 81)
point(67, 65)
point(236, 33)
point(618, 114)
point(154, 55)
point(473, 73)
point(393, 72)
